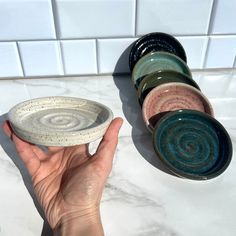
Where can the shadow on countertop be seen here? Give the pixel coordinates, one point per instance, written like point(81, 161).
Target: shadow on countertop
point(141, 137)
point(10, 150)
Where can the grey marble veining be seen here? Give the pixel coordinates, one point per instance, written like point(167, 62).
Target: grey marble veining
point(141, 197)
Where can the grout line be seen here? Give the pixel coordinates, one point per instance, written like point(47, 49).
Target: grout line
point(234, 63)
point(61, 54)
point(205, 55)
point(97, 56)
point(205, 70)
point(55, 19)
point(115, 37)
point(212, 16)
point(20, 58)
point(135, 18)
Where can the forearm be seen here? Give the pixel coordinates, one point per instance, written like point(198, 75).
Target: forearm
point(86, 225)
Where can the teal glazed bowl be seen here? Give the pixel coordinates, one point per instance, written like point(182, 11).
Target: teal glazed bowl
point(158, 61)
point(192, 144)
point(161, 77)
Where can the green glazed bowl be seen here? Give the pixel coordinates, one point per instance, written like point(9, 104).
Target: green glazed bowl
point(161, 77)
point(192, 144)
point(158, 61)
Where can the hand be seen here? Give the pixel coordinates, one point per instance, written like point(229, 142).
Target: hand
point(68, 181)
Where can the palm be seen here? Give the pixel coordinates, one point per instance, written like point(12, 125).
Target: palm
point(68, 179)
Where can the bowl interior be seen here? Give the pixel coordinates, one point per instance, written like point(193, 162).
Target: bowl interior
point(161, 77)
point(158, 61)
point(192, 144)
point(171, 97)
point(156, 41)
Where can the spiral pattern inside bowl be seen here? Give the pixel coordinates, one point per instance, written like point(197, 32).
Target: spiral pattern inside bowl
point(192, 144)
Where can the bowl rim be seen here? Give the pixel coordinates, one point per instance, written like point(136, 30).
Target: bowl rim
point(183, 174)
point(137, 43)
point(163, 54)
point(165, 72)
point(26, 132)
point(189, 87)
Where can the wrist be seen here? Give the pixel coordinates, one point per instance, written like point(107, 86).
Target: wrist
point(80, 223)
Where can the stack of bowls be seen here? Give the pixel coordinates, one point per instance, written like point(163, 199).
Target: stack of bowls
point(186, 136)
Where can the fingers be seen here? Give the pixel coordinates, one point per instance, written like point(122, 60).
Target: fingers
point(76, 149)
point(54, 149)
point(107, 146)
point(24, 149)
point(7, 129)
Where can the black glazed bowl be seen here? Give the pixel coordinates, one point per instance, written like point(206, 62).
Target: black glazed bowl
point(156, 41)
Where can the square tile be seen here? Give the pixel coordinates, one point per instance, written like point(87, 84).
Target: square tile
point(26, 19)
point(100, 18)
point(79, 57)
point(221, 52)
point(113, 55)
point(10, 65)
point(223, 20)
point(195, 48)
point(41, 58)
point(175, 17)
point(214, 85)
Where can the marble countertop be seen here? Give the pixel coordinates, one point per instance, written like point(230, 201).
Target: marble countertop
point(141, 198)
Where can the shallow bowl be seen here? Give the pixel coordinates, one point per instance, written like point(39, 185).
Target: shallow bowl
point(158, 61)
point(153, 42)
point(60, 121)
point(162, 77)
point(171, 97)
point(192, 144)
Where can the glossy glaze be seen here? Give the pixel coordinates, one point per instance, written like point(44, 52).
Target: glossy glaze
point(192, 144)
point(171, 97)
point(154, 42)
point(158, 61)
point(162, 77)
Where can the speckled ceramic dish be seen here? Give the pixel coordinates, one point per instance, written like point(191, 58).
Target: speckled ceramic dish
point(153, 42)
point(192, 144)
point(161, 77)
point(171, 97)
point(60, 121)
point(158, 61)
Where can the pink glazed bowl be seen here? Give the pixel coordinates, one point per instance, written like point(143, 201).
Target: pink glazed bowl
point(170, 97)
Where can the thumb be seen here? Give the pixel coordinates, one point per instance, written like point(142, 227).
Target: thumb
point(106, 149)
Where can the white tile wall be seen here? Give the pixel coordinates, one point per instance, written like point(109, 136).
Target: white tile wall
point(95, 18)
point(41, 58)
point(9, 60)
point(224, 17)
point(221, 52)
point(181, 17)
point(195, 48)
point(78, 37)
point(79, 57)
point(112, 55)
point(26, 19)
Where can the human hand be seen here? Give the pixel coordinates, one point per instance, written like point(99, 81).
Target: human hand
point(68, 181)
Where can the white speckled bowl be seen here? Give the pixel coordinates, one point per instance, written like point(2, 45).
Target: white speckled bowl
point(60, 121)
